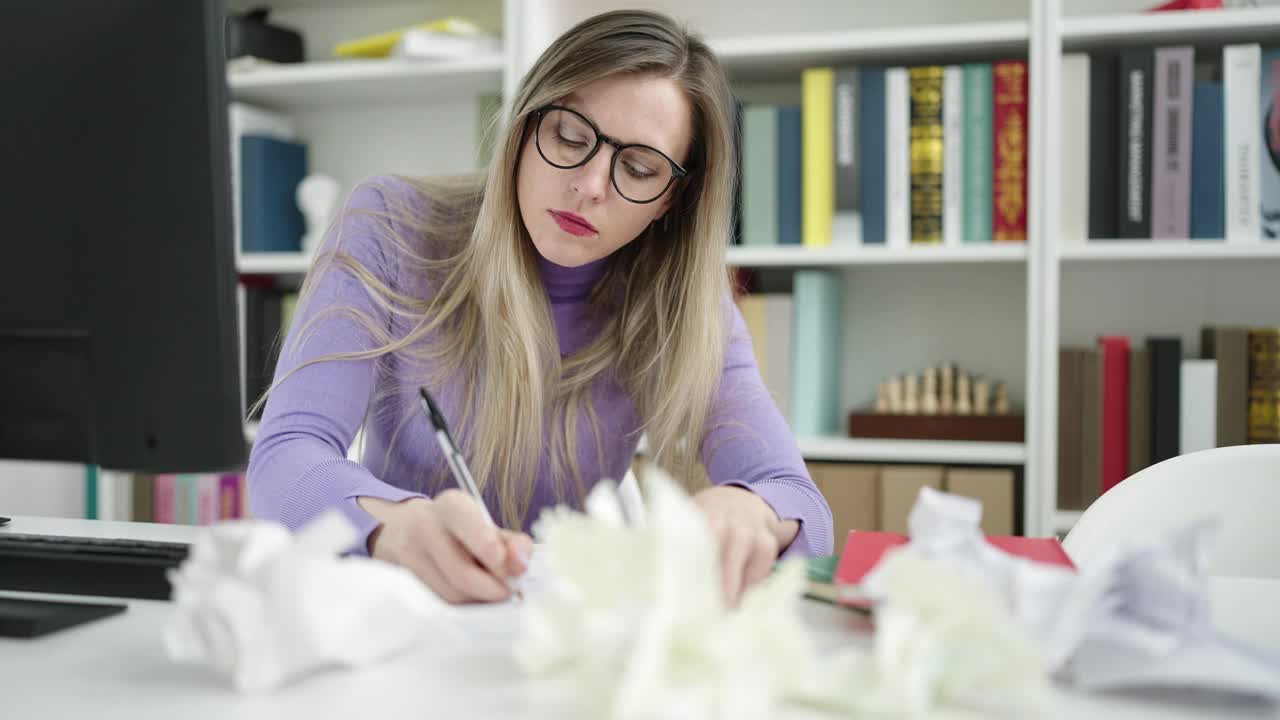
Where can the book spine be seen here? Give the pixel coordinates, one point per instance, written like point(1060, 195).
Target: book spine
point(1166, 396)
point(1074, 135)
point(953, 155)
point(1269, 157)
point(977, 153)
point(897, 120)
point(1115, 410)
point(779, 311)
point(206, 499)
point(819, 166)
point(871, 154)
point(1091, 425)
point(926, 154)
point(1139, 409)
point(816, 366)
point(1171, 143)
point(760, 175)
point(1009, 162)
point(1104, 147)
point(1208, 184)
point(228, 496)
point(163, 508)
point(1264, 385)
point(1069, 397)
point(846, 225)
point(1229, 346)
point(1241, 77)
point(91, 492)
point(1135, 157)
point(790, 174)
point(1199, 383)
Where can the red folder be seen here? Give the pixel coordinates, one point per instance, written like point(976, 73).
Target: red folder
point(864, 548)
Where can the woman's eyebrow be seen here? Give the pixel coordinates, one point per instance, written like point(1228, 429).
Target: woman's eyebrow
point(572, 102)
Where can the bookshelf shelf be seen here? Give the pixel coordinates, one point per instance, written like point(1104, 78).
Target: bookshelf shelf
point(921, 451)
point(1190, 26)
point(784, 55)
point(356, 83)
point(273, 263)
point(1102, 250)
point(800, 256)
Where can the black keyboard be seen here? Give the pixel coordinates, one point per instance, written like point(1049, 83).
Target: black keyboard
point(113, 567)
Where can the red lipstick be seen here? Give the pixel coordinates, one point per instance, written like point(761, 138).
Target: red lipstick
point(573, 224)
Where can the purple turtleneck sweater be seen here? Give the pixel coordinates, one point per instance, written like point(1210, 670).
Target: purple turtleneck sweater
point(299, 466)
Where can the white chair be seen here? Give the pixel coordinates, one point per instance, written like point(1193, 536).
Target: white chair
point(1240, 485)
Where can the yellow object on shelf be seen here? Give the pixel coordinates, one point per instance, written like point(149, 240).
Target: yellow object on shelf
point(377, 46)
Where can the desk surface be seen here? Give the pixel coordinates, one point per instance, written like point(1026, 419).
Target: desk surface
point(117, 667)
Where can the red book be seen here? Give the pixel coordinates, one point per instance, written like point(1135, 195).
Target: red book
point(1115, 409)
point(864, 548)
point(1009, 151)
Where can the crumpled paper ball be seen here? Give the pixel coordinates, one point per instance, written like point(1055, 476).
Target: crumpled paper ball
point(632, 615)
point(261, 606)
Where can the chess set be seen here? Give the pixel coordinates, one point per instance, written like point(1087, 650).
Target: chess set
point(939, 403)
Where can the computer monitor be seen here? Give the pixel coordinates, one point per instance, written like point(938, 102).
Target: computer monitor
point(118, 339)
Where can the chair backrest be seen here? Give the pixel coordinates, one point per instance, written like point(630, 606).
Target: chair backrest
point(1240, 485)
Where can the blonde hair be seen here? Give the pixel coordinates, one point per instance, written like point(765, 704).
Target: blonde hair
point(663, 296)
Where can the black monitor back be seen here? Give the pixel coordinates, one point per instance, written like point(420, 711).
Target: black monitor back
point(118, 340)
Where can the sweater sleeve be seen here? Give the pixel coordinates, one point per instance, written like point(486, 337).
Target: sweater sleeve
point(298, 466)
point(748, 443)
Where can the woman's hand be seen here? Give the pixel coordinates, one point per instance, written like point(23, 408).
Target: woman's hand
point(749, 533)
point(449, 544)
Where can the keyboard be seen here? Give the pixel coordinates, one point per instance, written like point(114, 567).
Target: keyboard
point(113, 567)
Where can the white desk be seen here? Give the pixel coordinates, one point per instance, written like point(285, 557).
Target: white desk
point(116, 668)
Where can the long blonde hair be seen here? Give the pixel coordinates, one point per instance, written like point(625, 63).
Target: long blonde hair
point(663, 296)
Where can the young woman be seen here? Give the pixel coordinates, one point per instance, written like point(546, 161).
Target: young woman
point(557, 307)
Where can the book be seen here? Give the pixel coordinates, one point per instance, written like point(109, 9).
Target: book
point(1264, 385)
point(1009, 160)
point(977, 153)
point(1134, 129)
point(1166, 396)
point(1198, 425)
point(1139, 409)
point(790, 175)
point(1070, 400)
point(779, 310)
point(819, 166)
point(1171, 143)
point(271, 170)
point(816, 366)
point(1229, 346)
point(926, 154)
point(953, 133)
point(1208, 186)
point(897, 163)
point(1241, 77)
point(1269, 157)
point(760, 175)
point(864, 549)
point(871, 155)
point(1073, 133)
point(1115, 409)
point(1104, 146)
point(1091, 425)
point(244, 119)
point(846, 224)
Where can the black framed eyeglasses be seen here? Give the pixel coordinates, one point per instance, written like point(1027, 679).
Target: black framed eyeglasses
point(566, 139)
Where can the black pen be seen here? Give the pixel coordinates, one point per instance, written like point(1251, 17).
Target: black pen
point(457, 465)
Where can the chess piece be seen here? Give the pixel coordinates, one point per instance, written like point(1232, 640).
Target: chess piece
point(911, 395)
point(316, 196)
point(964, 404)
point(882, 397)
point(947, 390)
point(895, 395)
point(982, 396)
point(929, 400)
point(1002, 399)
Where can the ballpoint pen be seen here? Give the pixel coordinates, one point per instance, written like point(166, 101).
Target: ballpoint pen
point(458, 466)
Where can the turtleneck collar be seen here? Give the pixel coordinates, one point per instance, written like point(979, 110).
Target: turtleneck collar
point(569, 284)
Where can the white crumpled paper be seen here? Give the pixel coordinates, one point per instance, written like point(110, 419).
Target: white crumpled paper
point(261, 606)
point(1137, 618)
point(632, 615)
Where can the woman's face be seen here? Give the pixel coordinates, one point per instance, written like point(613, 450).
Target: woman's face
point(576, 215)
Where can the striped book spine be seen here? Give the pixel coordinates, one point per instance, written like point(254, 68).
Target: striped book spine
point(926, 154)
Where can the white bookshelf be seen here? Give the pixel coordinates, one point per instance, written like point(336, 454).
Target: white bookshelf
point(1064, 520)
point(838, 256)
point(777, 54)
point(1204, 27)
point(921, 451)
point(267, 263)
point(1108, 250)
point(365, 82)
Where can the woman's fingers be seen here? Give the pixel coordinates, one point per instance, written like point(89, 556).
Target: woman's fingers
point(519, 550)
point(764, 553)
point(735, 551)
point(473, 582)
point(466, 522)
